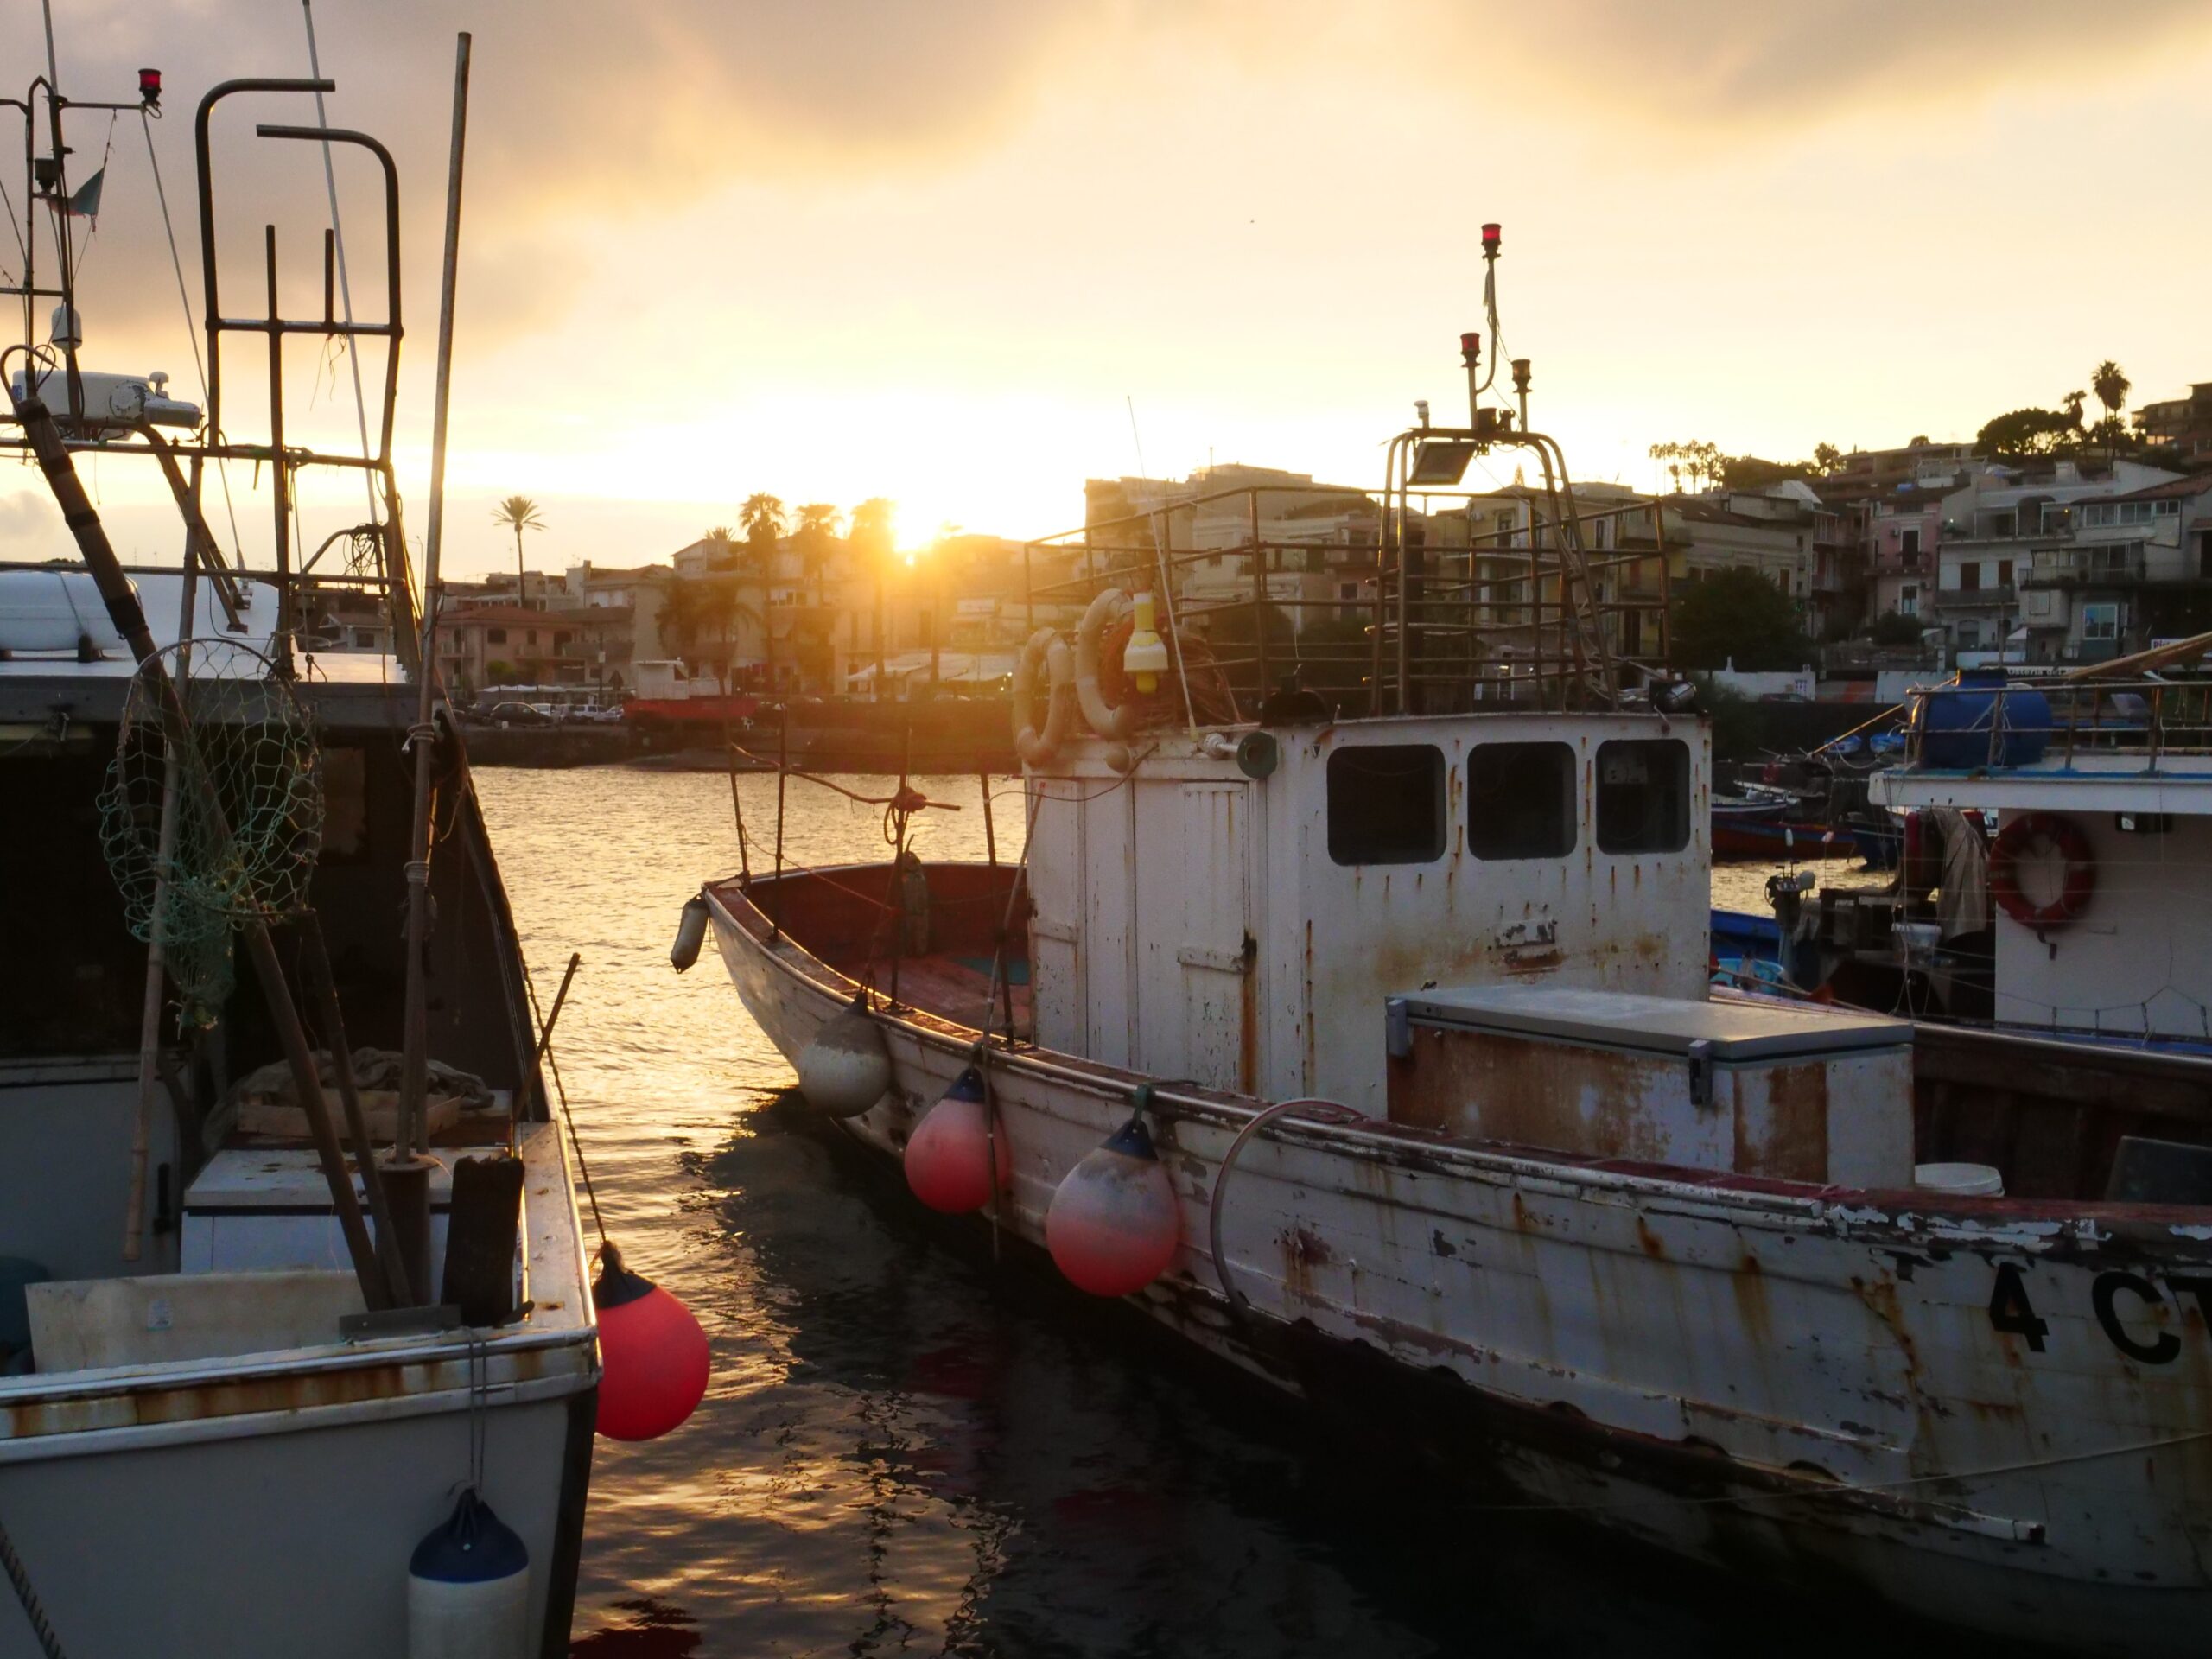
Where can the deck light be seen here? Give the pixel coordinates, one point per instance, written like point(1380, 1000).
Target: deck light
point(1491, 234)
point(149, 88)
point(1470, 349)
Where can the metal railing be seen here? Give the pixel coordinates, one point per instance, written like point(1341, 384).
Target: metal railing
point(2047, 723)
point(1447, 617)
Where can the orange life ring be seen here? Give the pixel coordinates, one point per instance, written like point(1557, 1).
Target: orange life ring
point(2027, 834)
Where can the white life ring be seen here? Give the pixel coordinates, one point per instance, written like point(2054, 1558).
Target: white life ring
point(1105, 719)
point(1045, 649)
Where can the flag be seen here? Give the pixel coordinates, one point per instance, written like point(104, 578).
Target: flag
point(86, 204)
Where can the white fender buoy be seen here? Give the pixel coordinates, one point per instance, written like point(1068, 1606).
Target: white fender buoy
point(1044, 649)
point(1103, 718)
point(847, 1068)
point(952, 1148)
point(691, 934)
point(1114, 1225)
point(468, 1588)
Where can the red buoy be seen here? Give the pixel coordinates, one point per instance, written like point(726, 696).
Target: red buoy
point(652, 1355)
point(1114, 1225)
point(952, 1148)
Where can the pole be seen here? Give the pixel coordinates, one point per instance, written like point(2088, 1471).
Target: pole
point(123, 608)
point(288, 614)
point(414, 1072)
point(150, 1009)
point(990, 832)
point(338, 240)
point(1259, 598)
point(388, 1247)
point(783, 777)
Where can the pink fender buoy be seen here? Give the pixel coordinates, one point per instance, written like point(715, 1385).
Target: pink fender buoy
point(1114, 1225)
point(952, 1147)
point(652, 1354)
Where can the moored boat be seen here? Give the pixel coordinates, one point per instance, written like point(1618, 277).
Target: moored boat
point(298, 1348)
point(1412, 1009)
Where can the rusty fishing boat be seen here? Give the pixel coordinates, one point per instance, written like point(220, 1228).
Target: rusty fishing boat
point(1369, 1049)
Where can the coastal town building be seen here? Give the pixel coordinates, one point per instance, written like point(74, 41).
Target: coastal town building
point(2182, 425)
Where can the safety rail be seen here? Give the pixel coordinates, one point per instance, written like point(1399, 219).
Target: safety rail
point(1486, 613)
point(2059, 724)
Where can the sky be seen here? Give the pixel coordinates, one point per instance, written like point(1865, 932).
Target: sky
point(966, 253)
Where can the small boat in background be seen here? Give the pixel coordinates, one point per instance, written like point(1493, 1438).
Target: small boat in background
point(1766, 827)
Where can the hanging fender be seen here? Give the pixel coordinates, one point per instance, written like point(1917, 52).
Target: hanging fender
point(1045, 649)
point(1109, 721)
point(2034, 833)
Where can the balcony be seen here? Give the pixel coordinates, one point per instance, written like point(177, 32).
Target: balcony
point(2086, 567)
point(2000, 597)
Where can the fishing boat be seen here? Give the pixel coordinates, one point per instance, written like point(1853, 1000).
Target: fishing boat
point(297, 1347)
point(1767, 828)
point(1371, 1053)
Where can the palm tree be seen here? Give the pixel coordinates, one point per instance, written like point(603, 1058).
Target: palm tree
point(764, 520)
point(871, 539)
point(722, 548)
point(707, 607)
point(817, 528)
point(2112, 386)
point(519, 513)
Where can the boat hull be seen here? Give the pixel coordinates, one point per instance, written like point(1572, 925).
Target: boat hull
point(1971, 1413)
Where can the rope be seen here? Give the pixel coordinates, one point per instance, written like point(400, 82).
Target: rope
point(49, 1642)
point(568, 1117)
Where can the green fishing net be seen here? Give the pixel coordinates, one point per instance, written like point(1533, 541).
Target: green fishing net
point(242, 837)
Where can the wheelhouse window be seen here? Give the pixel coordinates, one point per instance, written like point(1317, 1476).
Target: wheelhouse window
point(1643, 795)
point(1520, 800)
point(1386, 804)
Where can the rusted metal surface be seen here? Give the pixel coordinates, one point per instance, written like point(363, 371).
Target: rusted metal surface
point(1994, 1409)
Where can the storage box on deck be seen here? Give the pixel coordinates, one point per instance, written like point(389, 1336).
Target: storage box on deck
point(1807, 1095)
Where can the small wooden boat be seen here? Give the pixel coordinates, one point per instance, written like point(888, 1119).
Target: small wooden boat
point(1765, 828)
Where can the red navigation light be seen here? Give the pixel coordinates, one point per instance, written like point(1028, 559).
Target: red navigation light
point(1491, 234)
point(149, 86)
point(1470, 349)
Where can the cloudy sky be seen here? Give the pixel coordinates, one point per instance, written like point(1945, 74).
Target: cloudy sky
point(941, 249)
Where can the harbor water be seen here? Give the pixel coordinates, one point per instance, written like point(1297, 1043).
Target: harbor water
point(906, 1450)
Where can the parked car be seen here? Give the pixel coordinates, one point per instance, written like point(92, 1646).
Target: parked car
point(516, 714)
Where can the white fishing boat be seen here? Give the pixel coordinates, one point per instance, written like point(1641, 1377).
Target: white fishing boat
point(1411, 1008)
point(297, 1345)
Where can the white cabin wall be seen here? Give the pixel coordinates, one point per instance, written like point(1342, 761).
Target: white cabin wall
point(1058, 1017)
point(1591, 919)
point(1146, 889)
point(2139, 957)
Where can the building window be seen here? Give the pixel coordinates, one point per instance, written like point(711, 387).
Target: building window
point(1908, 600)
point(1969, 634)
point(495, 636)
point(531, 638)
point(2004, 573)
point(1970, 576)
point(2101, 622)
point(1386, 804)
point(1643, 795)
point(1520, 800)
point(1909, 543)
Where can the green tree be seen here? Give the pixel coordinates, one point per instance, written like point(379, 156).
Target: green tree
point(816, 539)
point(1828, 459)
point(2112, 386)
point(764, 519)
point(1736, 616)
point(2027, 432)
point(701, 613)
point(1891, 629)
point(518, 513)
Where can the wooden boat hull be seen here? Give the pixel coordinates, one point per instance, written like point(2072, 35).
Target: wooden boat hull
point(1997, 1413)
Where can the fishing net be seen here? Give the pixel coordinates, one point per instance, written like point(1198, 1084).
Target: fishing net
point(246, 824)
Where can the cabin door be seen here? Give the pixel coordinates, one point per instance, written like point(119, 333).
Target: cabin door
point(1216, 956)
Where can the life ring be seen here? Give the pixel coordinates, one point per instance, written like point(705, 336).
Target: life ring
point(1108, 719)
point(2034, 832)
point(1045, 649)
